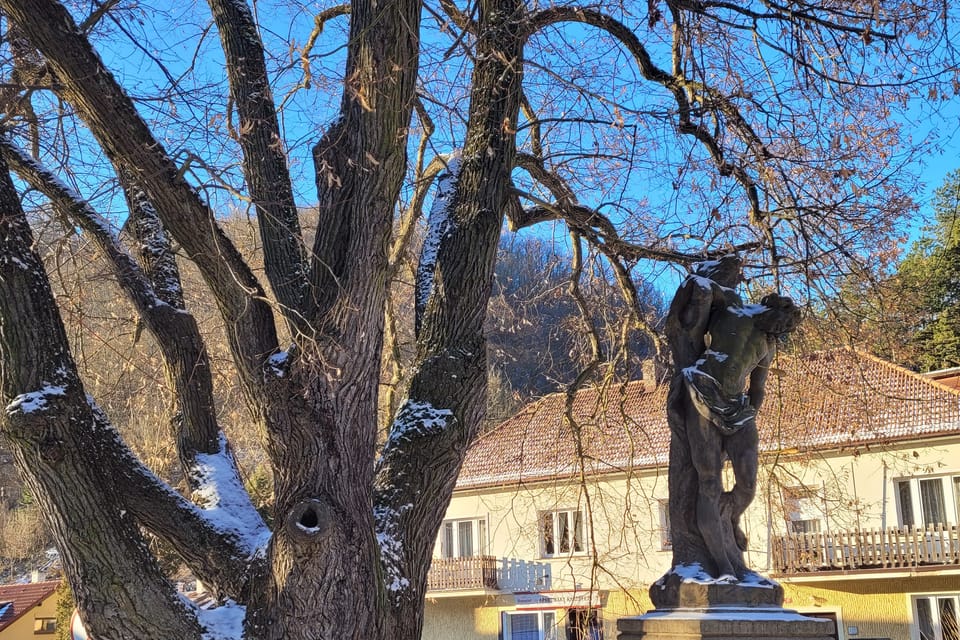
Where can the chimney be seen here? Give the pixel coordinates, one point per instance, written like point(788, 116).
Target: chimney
point(35, 575)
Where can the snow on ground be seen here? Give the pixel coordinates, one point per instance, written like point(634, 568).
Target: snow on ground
point(224, 622)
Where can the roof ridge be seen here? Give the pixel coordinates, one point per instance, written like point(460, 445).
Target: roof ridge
point(914, 374)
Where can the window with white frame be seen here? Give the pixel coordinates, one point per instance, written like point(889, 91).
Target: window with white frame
point(802, 509)
point(666, 541)
point(935, 617)
point(463, 538)
point(561, 532)
point(529, 625)
point(928, 500)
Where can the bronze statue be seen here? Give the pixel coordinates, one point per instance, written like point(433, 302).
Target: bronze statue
point(719, 345)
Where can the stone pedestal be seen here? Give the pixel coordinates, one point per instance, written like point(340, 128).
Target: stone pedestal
point(689, 587)
point(692, 606)
point(724, 623)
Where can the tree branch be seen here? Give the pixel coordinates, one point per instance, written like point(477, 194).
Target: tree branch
point(159, 509)
point(319, 21)
point(679, 86)
point(590, 223)
point(423, 178)
point(264, 157)
point(55, 439)
point(446, 400)
point(360, 163)
point(127, 140)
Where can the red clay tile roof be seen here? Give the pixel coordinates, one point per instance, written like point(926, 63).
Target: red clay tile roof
point(22, 598)
point(832, 399)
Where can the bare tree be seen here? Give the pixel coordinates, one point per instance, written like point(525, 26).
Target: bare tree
point(764, 128)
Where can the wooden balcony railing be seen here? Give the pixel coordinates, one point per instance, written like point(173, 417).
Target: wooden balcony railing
point(461, 574)
point(867, 549)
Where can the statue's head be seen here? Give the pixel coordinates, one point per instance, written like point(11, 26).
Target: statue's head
point(781, 317)
point(725, 271)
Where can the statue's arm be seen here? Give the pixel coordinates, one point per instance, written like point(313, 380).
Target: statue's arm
point(687, 322)
point(758, 377)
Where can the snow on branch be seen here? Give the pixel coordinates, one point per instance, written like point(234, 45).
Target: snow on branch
point(224, 500)
point(35, 401)
point(415, 419)
point(439, 225)
point(75, 210)
point(155, 247)
point(391, 548)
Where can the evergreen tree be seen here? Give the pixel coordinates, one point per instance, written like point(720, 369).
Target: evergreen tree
point(929, 278)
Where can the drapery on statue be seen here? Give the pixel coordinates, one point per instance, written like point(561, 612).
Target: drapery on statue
point(719, 344)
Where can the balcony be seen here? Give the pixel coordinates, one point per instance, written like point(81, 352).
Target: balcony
point(462, 574)
point(861, 549)
point(487, 573)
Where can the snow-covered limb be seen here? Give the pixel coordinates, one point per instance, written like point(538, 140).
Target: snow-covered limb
point(439, 224)
point(225, 502)
point(416, 419)
point(48, 183)
point(155, 248)
point(75, 210)
point(221, 558)
point(35, 401)
point(413, 421)
point(387, 521)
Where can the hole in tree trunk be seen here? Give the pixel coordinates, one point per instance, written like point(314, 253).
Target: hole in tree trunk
point(308, 520)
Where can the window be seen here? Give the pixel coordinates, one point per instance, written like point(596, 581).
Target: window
point(561, 532)
point(666, 542)
point(936, 617)
point(802, 509)
point(463, 538)
point(44, 625)
point(929, 500)
point(584, 624)
point(529, 625)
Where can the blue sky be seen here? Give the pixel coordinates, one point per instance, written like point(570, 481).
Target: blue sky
point(166, 37)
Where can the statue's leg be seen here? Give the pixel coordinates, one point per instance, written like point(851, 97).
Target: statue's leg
point(742, 449)
point(706, 453)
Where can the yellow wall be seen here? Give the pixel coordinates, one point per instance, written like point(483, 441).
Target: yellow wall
point(22, 629)
point(461, 618)
point(880, 608)
point(479, 618)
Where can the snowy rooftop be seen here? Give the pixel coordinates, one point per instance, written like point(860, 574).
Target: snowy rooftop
point(836, 399)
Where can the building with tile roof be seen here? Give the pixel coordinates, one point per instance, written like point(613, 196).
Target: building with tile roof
point(559, 519)
point(28, 610)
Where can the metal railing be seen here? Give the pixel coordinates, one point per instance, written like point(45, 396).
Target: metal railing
point(462, 574)
point(892, 548)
